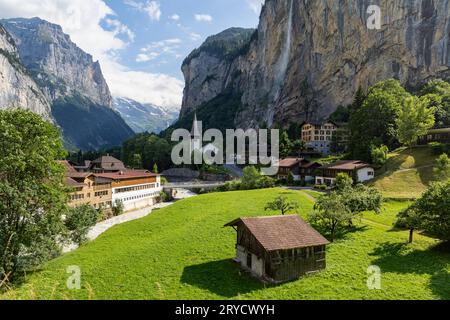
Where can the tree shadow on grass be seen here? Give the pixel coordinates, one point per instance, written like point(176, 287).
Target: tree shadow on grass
point(400, 258)
point(224, 278)
point(341, 234)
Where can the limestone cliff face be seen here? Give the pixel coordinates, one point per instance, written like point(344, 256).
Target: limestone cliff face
point(56, 63)
point(17, 89)
point(66, 77)
point(209, 70)
point(308, 57)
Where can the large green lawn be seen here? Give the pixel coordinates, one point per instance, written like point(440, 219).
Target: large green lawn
point(183, 252)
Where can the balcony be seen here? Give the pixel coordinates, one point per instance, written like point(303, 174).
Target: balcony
point(102, 187)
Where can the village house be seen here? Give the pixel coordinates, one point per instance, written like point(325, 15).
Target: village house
point(308, 171)
point(86, 190)
point(106, 164)
point(279, 248)
point(358, 170)
point(319, 137)
point(435, 135)
point(106, 182)
point(289, 166)
point(135, 189)
point(300, 168)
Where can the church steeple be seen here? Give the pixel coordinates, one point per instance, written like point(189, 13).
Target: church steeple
point(195, 132)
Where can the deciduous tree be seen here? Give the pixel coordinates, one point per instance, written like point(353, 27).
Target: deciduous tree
point(415, 118)
point(33, 194)
point(283, 204)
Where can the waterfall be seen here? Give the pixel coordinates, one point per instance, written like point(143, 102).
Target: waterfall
point(286, 54)
point(283, 63)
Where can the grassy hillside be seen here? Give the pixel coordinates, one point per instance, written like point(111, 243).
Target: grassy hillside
point(408, 173)
point(183, 252)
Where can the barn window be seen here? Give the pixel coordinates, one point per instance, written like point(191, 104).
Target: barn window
point(249, 260)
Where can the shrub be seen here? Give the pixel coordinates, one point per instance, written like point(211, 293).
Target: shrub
point(78, 222)
point(118, 208)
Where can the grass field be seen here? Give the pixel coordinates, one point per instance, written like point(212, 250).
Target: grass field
point(407, 174)
point(183, 252)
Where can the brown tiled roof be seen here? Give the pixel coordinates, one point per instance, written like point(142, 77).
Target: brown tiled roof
point(441, 130)
point(67, 165)
point(347, 165)
point(108, 163)
point(129, 174)
point(289, 162)
point(72, 183)
point(78, 175)
point(310, 164)
point(282, 232)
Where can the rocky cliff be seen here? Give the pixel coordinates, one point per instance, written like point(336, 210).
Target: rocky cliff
point(17, 89)
point(57, 64)
point(308, 57)
point(67, 77)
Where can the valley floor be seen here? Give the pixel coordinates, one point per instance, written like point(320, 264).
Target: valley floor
point(183, 252)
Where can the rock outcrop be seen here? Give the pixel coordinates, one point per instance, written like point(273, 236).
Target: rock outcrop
point(17, 89)
point(308, 57)
point(56, 63)
point(67, 77)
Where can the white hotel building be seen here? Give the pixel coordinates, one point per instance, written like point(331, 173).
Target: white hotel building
point(135, 189)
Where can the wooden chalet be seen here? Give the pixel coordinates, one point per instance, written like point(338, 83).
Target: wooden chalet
point(300, 168)
point(435, 135)
point(279, 248)
point(358, 170)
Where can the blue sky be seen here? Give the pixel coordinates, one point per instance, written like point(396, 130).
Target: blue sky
point(177, 31)
point(140, 43)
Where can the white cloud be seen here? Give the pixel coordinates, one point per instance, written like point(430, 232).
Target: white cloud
point(120, 28)
point(82, 20)
point(255, 5)
point(195, 36)
point(158, 89)
point(152, 8)
point(158, 48)
point(203, 17)
point(145, 57)
point(175, 17)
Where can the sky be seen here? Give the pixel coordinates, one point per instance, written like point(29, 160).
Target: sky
point(140, 44)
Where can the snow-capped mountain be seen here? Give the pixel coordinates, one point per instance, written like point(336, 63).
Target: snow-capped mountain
point(144, 117)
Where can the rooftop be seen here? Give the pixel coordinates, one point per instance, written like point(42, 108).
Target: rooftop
point(441, 130)
point(282, 232)
point(128, 174)
point(108, 163)
point(289, 162)
point(346, 165)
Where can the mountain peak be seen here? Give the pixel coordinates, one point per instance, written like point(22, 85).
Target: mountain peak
point(144, 117)
point(56, 62)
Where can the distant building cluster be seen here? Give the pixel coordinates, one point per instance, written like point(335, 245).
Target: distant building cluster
point(106, 182)
point(320, 137)
point(301, 169)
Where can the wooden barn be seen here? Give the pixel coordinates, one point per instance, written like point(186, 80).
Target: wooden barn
point(280, 248)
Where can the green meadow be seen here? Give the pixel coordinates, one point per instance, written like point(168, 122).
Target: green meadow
point(184, 252)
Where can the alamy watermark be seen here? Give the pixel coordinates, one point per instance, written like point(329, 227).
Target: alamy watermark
point(252, 147)
point(374, 278)
point(374, 20)
point(74, 280)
